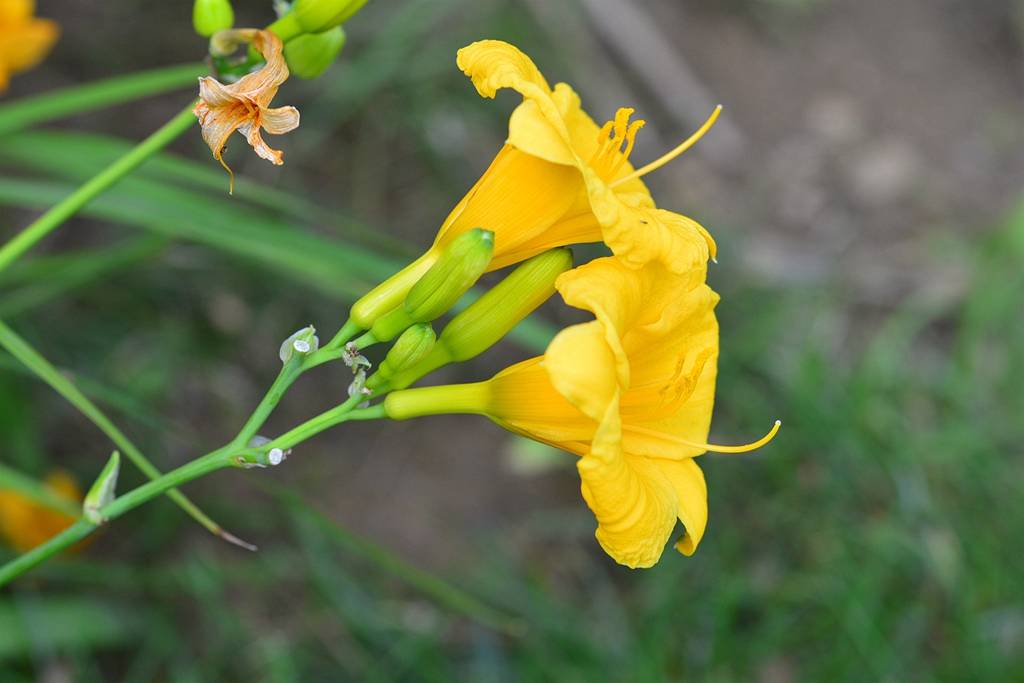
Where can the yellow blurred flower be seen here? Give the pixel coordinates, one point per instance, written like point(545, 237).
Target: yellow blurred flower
point(24, 523)
point(245, 106)
point(24, 39)
point(630, 392)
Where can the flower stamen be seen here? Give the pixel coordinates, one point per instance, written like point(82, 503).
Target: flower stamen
point(664, 159)
point(714, 448)
point(615, 143)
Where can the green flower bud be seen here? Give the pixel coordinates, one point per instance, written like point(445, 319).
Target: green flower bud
point(310, 54)
point(460, 265)
point(317, 16)
point(210, 16)
point(458, 269)
point(390, 293)
point(102, 491)
point(413, 346)
point(493, 315)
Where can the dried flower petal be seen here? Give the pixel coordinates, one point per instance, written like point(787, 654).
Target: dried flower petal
point(245, 106)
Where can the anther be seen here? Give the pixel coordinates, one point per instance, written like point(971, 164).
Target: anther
point(664, 159)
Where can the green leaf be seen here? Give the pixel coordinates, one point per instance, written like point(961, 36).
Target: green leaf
point(33, 626)
point(340, 269)
point(437, 589)
point(45, 278)
point(32, 359)
point(32, 111)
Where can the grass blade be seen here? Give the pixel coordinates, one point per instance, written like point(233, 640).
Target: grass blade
point(32, 111)
point(439, 590)
point(32, 359)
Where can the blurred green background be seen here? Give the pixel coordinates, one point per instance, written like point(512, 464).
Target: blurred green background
point(865, 188)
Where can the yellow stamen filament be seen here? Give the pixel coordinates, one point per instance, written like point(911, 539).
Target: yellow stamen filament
point(634, 128)
point(707, 446)
point(685, 145)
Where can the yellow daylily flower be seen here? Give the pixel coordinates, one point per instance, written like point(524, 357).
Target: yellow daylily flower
point(630, 392)
point(245, 105)
point(24, 39)
point(562, 179)
point(24, 523)
point(559, 179)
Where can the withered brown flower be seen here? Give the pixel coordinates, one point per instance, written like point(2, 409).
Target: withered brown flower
point(245, 105)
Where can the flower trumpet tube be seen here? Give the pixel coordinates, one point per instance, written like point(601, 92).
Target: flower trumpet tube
point(486, 320)
point(559, 179)
point(631, 393)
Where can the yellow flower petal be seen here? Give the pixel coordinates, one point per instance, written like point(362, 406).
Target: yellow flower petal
point(632, 500)
point(493, 65)
point(16, 11)
point(582, 368)
point(518, 198)
point(24, 40)
point(24, 524)
point(674, 366)
point(691, 492)
point(551, 125)
point(537, 126)
point(642, 234)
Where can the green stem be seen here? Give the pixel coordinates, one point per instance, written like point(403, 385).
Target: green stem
point(312, 427)
point(70, 205)
point(26, 561)
point(32, 111)
point(34, 361)
point(289, 373)
point(199, 467)
point(221, 458)
point(347, 331)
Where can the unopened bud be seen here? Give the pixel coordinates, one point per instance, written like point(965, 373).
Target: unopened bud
point(303, 343)
point(390, 293)
point(210, 16)
point(457, 269)
point(317, 16)
point(310, 54)
point(103, 490)
point(501, 308)
point(413, 346)
point(493, 315)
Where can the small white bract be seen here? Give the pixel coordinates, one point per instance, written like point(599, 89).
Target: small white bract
point(275, 456)
point(302, 342)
